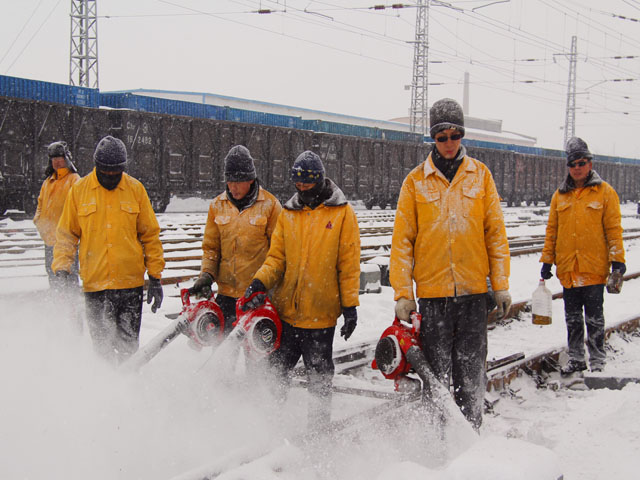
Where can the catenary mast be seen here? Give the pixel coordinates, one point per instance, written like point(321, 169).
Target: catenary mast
point(419, 85)
point(83, 64)
point(570, 116)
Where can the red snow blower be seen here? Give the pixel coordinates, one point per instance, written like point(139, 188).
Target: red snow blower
point(391, 353)
point(260, 327)
point(202, 322)
point(399, 352)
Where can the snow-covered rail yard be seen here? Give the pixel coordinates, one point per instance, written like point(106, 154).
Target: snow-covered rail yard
point(182, 415)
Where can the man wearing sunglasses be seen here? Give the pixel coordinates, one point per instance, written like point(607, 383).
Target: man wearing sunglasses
point(584, 240)
point(448, 237)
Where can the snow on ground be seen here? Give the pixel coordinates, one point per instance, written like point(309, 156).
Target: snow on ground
point(65, 414)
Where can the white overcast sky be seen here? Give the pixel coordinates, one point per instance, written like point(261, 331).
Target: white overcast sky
point(342, 56)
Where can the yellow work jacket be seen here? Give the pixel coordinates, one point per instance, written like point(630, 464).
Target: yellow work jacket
point(314, 262)
point(584, 233)
point(236, 243)
point(118, 233)
point(448, 237)
point(51, 201)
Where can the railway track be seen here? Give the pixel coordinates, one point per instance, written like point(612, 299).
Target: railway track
point(352, 360)
point(393, 407)
point(360, 355)
point(182, 247)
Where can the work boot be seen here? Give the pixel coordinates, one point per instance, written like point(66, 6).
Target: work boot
point(597, 368)
point(573, 366)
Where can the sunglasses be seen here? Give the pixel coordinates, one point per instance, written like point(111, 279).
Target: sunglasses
point(454, 137)
point(581, 163)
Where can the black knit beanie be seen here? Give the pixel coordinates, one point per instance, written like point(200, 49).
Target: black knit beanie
point(110, 155)
point(238, 165)
point(307, 168)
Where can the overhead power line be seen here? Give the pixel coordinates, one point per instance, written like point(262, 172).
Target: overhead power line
point(20, 32)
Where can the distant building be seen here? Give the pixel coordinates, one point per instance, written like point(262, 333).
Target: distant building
point(476, 128)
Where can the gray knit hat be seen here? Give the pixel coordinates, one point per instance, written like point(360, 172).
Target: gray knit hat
point(576, 149)
point(445, 114)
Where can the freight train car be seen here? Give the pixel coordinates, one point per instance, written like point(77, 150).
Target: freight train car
point(183, 154)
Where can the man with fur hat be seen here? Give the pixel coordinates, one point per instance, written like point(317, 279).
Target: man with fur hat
point(109, 214)
point(237, 235)
point(313, 267)
point(448, 237)
point(60, 175)
point(584, 240)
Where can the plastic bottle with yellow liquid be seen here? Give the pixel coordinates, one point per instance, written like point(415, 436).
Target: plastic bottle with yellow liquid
point(541, 305)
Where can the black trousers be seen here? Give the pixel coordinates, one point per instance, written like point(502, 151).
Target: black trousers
point(591, 299)
point(114, 318)
point(228, 307)
point(453, 336)
point(315, 346)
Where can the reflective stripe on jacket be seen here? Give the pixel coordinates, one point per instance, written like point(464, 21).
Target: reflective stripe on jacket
point(584, 227)
point(448, 237)
point(51, 201)
point(118, 233)
point(314, 262)
point(236, 243)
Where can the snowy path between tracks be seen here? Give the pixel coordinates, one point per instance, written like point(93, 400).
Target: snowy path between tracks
point(66, 415)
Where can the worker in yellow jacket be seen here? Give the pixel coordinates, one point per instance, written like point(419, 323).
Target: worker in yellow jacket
point(60, 174)
point(448, 237)
point(109, 213)
point(584, 241)
point(237, 234)
point(313, 270)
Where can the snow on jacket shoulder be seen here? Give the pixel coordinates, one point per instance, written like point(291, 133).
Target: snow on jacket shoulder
point(584, 226)
point(118, 233)
point(51, 201)
point(313, 264)
point(448, 237)
point(236, 243)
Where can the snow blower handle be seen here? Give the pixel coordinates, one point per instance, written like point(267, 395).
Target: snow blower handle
point(185, 296)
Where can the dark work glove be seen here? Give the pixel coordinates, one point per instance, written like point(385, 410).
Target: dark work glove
point(350, 315)
point(621, 267)
point(62, 280)
point(255, 286)
point(154, 293)
point(202, 286)
point(614, 282)
point(545, 273)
